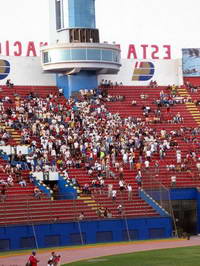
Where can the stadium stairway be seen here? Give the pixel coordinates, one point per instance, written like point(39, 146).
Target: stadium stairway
point(135, 207)
point(191, 107)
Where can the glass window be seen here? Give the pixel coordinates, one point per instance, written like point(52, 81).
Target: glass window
point(107, 55)
point(78, 54)
point(94, 54)
point(116, 56)
point(46, 57)
point(58, 15)
point(59, 55)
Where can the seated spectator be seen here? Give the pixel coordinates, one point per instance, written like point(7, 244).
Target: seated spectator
point(100, 212)
point(3, 193)
point(37, 193)
point(109, 214)
point(106, 212)
point(173, 180)
point(81, 216)
point(120, 209)
point(22, 183)
point(86, 189)
point(114, 194)
point(10, 181)
point(60, 92)
point(9, 84)
point(134, 103)
point(198, 165)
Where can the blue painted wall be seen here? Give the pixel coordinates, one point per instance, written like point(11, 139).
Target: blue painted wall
point(76, 82)
point(62, 82)
point(83, 80)
point(60, 234)
point(183, 194)
point(198, 211)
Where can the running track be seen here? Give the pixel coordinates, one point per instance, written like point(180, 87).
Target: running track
point(71, 254)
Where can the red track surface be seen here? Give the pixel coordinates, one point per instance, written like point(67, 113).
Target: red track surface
point(87, 252)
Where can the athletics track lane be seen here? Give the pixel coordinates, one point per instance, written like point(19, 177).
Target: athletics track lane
point(71, 254)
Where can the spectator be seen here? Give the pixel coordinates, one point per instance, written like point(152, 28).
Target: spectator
point(3, 193)
point(22, 182)
point(173, 181)
point(37, 193)
point(114, 194)
point(10, 181)
point(9, 84)
point(139, 180)
point(81, 216)
point(33, 261)
point(130, 191)
point(110, 189)
point(54, 259)
point(120, 209)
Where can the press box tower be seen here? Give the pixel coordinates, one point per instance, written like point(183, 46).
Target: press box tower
point(75, 52)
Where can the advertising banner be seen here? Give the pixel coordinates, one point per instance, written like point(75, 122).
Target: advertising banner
point(191, 62)
point(141, 72)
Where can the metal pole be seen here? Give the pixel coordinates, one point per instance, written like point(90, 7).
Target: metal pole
point(34, 233)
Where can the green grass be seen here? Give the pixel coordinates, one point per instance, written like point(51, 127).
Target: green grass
point(187, 256)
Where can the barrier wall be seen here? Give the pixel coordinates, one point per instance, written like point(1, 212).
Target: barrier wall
point(24, 71)
point(85, 232)
point(28, 71)
point(141, 72)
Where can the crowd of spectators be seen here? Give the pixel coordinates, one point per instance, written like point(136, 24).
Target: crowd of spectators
point(82, 133)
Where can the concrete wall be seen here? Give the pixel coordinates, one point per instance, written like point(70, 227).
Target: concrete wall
point(27, 71)
point(141, 72)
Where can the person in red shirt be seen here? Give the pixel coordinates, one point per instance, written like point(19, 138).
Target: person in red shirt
point(33, 261)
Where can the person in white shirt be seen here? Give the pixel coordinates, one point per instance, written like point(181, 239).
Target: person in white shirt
point(173, 180)
point(121, 185)
point(114, 194)
point(146, 163)
point(22, 183)
point(130, 191)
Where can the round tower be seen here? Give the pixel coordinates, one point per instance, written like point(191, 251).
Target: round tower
point(75, 52)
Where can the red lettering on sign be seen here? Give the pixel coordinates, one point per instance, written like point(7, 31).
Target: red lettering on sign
point(144, 47)
point(7, 48)
point(132, 51)
point(19, 48)
point(156, 50)
point(167, 52)
point(31, 49)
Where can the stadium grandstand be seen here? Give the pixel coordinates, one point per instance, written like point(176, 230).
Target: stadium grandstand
point(91, 152)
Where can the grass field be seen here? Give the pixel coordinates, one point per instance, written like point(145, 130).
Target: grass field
point(187, 256)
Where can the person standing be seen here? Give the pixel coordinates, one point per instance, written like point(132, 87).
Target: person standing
point(32, 261)
point(130, 190)
point(52, 259)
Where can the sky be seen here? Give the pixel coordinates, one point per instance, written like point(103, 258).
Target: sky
point(171, 22)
